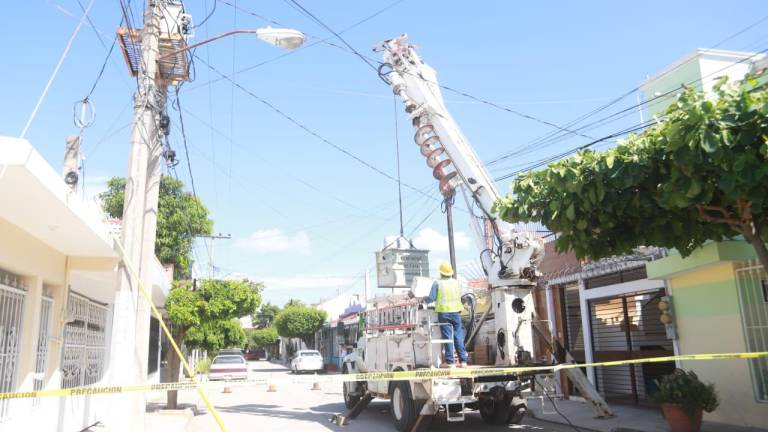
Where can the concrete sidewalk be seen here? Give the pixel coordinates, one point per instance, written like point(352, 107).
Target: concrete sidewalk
point(627, 418)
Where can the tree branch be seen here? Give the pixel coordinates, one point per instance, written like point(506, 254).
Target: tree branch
point(726, 217)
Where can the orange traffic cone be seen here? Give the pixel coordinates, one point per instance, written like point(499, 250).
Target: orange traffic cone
point(227, 389)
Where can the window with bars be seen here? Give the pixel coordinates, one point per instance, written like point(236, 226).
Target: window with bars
point(12, 296)
point(84, 342)
point(43, 342)
point(752, 281)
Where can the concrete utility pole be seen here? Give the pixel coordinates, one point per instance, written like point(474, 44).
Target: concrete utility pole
point(211, 266)
point(130, 342)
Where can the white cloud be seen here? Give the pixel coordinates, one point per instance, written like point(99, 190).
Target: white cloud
point(300, 281)
point(273, 240)
point(437, 243)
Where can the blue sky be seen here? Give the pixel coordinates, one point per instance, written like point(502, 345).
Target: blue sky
point(304, 217)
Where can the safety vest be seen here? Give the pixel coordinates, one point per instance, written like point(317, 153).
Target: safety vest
point(448, 296)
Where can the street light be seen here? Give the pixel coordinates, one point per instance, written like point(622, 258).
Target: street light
point(285, 38)
point(173, 64)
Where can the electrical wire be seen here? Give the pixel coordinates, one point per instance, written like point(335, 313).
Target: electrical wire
point(310, 131)
point(210, 14)
point(177, 105)
point(552, 401)
point(338, 35)
point(55, 71)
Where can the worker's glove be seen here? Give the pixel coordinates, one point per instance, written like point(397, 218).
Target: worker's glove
point(411, 294)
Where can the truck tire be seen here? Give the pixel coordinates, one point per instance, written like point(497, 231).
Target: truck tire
point(350, 400)
point(517, 413)
point(495, 407)
point(405, 410)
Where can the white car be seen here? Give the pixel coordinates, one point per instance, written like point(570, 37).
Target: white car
point(228, 367)
point(307, 361)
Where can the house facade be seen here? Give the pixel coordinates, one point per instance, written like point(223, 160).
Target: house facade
point(58, 279)
point(719, 298)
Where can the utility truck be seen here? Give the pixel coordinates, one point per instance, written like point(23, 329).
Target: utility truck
point(400, 334)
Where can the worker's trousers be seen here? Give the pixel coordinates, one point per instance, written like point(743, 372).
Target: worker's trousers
point(456, 331)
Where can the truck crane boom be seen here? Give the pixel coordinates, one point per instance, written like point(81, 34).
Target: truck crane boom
point(511, 258)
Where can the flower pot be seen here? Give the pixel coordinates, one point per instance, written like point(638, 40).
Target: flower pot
point(678, 419)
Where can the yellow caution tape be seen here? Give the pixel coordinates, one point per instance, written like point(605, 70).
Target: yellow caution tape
point(502, 373)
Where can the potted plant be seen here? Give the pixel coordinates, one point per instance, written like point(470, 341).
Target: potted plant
point(683, 398)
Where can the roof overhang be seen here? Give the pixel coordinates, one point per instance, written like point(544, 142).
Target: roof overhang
point(36, 199)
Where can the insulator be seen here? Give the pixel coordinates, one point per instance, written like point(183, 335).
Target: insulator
point(423, 133)
point(434, 157)
point(447, 184)
point(439, 171)
point(426, 150)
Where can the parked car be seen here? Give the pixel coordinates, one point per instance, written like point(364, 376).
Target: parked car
point(307, 361)
point(228, 367)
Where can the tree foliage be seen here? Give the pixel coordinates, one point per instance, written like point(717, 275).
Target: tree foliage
point(205, 316)
point(293, 302)
point(263, 338)
point(300, 322)
point(181, 217)
point(266, 315)
point(699, 175)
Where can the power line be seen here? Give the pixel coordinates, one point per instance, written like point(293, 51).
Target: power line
point(292, 52)
point(637, 88)
point(325, 26)
point(310, 131)
point(177, 104)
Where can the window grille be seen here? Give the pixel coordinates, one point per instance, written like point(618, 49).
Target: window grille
point(43, 343)
point(751, 281)
point(12, 296)
point(84, 342)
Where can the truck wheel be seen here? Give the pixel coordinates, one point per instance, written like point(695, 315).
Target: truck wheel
point(495, 409)
point(405, 410)
point(517, 413)
point(350, 387)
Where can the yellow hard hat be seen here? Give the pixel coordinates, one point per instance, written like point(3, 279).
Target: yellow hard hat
point(446, 269)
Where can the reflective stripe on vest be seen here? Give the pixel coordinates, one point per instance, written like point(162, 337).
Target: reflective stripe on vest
point(448, 296)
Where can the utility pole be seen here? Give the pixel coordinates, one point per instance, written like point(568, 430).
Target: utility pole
point(130, 341)
point(219, 236)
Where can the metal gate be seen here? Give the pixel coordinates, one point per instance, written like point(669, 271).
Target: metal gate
point(11, 314)
point(84, 338)
point(628, 327)
point(43, 342)
point(752, 283)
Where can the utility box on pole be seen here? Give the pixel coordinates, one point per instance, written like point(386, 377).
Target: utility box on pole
point(399, 263)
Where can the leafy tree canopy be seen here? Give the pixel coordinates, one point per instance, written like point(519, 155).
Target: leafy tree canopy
point(212, 336)
point(266, 315)
point(263, 338)
point(294, 302)
point(300, 322)
point(181, 217)
point(699, 175)
point(205, 315)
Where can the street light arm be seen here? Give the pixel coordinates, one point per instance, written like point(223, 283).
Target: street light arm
point(211, 39)
point(282, 38)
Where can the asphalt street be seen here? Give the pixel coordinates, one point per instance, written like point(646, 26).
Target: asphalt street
point(295, 407)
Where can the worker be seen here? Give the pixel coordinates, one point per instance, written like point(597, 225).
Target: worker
point(446, 294)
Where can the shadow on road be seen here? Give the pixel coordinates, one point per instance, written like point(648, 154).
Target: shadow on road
point(273, 411)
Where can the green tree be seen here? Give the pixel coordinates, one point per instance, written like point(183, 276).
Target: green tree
point(293, 302)
point(181, 217)
point(699, 175)
point(300, 322)
point(263, 338)
point(205, 316)
point(266, 315)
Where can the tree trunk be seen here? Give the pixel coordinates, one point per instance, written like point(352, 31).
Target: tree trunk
point(759, 244)
point(174, 367)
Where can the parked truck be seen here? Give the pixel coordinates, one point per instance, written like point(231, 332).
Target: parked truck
point(400, 334)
